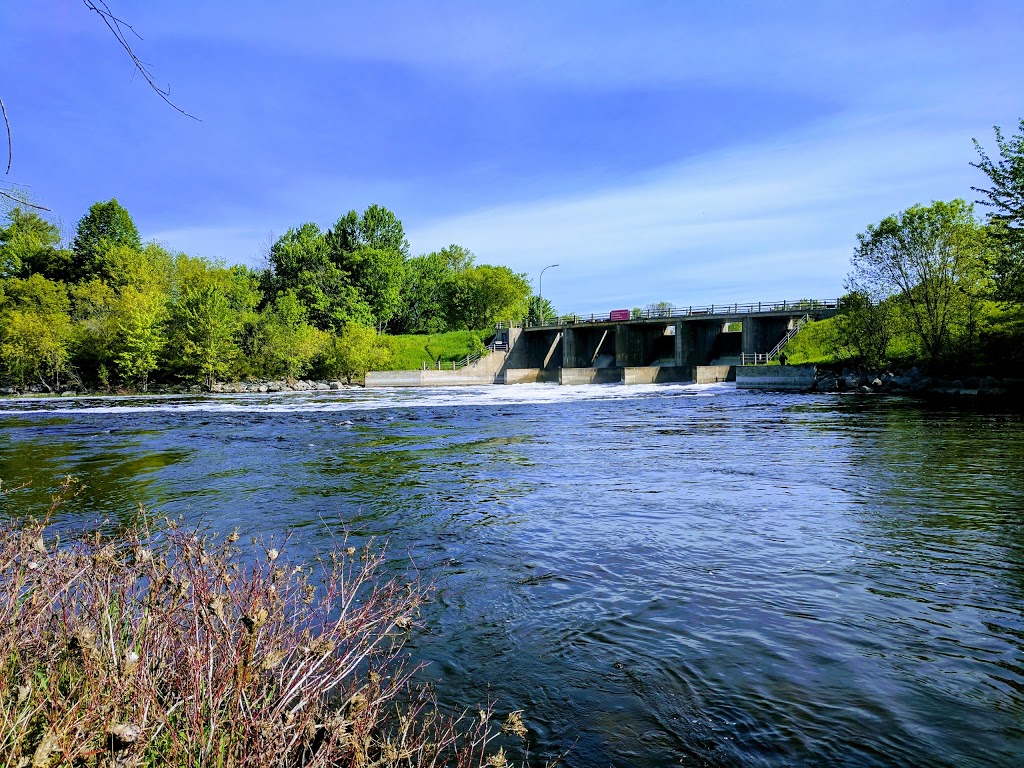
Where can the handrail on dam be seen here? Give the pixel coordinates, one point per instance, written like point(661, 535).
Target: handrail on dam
point(801, 305)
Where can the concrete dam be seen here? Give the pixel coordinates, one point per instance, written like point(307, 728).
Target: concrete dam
point(689, 344)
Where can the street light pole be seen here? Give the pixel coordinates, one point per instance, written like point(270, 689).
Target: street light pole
point(540, 291)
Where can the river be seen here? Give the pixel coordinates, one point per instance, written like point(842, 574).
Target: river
point(659, 576)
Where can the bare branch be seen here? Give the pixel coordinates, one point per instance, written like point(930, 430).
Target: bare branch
point(20, 201)
point(119, 29)
point(10, 144)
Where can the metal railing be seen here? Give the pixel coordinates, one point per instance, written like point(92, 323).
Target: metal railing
point(801, 305)
point(455, 365)
point(763, 358)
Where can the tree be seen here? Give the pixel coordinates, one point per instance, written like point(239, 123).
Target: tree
point(931, 260)
point(429, 289)
point(303, 263)
point(1006, 197)
point(485, 294)
point(541, 310)
point(357, 350)
point(105, 226)
point(285, 344)
point(378, 274)
point(29, 245)
point(864, 328)
point(139, 334)
point(35, 331)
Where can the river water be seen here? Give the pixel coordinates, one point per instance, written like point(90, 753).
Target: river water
point(664, 575)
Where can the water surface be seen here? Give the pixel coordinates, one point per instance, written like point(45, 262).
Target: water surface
point(664, 575)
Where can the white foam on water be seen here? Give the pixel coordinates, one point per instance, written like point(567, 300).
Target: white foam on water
point(363, 400)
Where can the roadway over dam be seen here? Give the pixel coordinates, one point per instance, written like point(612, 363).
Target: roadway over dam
point(676, 341)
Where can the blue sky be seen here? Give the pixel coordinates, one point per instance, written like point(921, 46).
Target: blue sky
point(660, 151)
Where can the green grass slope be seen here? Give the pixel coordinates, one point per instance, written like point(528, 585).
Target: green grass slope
point(410, 351)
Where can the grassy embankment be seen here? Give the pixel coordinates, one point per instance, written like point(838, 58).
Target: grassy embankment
point(410, 352)
point(999, 343)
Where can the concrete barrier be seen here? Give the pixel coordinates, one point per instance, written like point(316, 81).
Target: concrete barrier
point(429, 378)
point(712, 374)
point(530, 376)
point(574, 376)
point(786, 377)
point(656, 374)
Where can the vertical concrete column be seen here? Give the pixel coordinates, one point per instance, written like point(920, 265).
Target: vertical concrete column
point(679, 346)
point(570, 358)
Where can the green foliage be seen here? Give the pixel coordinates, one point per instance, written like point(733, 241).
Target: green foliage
point(428, 288)
point(212, 310)
point(114, 312)
point(541, 311)
point(1006, 197)
point(864, 329)
point(484, 295)
point(930, 262)
point(357, 350)
point(139, 337)
point(285, 344)
point(35, 331)
point(29, 244)
point(105, 226)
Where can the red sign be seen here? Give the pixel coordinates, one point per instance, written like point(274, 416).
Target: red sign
point(619, 314)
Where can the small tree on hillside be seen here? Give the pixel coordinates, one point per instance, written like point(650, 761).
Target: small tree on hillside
point(357, 350)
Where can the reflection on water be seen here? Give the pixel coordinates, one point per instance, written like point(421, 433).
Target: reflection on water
point(659, 575)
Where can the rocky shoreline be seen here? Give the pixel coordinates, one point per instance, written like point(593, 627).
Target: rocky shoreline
point(235, 387)
point(914, 382)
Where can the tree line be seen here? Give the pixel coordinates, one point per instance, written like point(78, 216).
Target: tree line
point(107, 310)
point(939, 286)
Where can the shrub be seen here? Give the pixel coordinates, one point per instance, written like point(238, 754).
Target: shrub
point(170, 645)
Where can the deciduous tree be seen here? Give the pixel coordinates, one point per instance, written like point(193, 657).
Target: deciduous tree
point(1006, 197)
point(931, 260)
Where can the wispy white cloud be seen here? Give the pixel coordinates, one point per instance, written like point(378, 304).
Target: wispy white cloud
point(765, 221)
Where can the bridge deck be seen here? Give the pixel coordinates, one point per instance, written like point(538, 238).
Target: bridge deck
point(716, 312)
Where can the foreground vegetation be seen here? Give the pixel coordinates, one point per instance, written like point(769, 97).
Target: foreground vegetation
point(170, 646)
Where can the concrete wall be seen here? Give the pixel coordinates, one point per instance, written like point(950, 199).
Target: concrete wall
point(760, 334)
point(663, 374)
point(638, 345)
point(695, 341)
point(431, 378)
point(712, 374)
point(574, 376)
point(489, 369)
point(789, 377)
point(536, 349)
point(530, 376)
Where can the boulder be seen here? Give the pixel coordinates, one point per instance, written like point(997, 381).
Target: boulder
point(864, 389)
point(829, 384)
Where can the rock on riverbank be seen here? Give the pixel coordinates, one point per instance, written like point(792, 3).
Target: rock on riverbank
point(235, 387)
point(915, 383)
